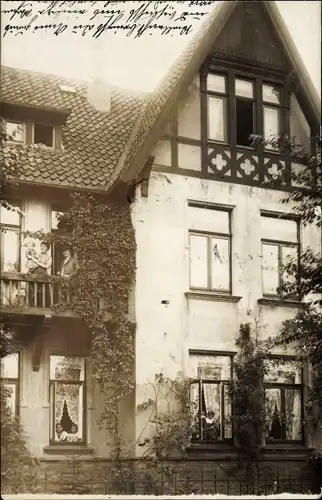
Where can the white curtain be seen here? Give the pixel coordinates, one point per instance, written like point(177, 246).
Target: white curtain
point(293, 414)
point(273, 402)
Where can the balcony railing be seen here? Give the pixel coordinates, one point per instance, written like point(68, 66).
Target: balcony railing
point(28, 291)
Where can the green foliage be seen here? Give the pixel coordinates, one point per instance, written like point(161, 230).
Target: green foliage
point(305, 279)
point(17, 463)
point(169, 415)
point(9, 170)
point(247, 392)
point(99, 230)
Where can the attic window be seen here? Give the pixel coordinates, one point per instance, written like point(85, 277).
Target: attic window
point(43, 134)
point(239, 106)
point(15, 132)
point(244, 92)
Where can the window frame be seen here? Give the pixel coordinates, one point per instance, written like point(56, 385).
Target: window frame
point(34, 123)
point(259, 81)
point(14, 228)
point(209, 235)
point(52, 403)
point(16, 382)
point(55, 244)
point(222, 384)
point(281, 244)
point(282, 387)
point(17, 122)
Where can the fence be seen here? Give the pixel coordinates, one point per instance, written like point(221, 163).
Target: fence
point(146, 477)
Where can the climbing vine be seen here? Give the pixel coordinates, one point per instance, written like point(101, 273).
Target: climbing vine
point(100, 232)
point(247, 392)
point(168, 417)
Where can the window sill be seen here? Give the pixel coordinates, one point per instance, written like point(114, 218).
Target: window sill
point(73, 449)
point(224, 450)
point(279, 302)
point(286, 451)
point(216, 297)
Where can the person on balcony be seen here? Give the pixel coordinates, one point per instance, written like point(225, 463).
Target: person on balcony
point(42, 261)
point(31, 256)
point(69, 265)
point(67, 269)
point(42, 267)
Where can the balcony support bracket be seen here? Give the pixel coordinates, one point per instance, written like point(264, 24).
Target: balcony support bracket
point(38, 343)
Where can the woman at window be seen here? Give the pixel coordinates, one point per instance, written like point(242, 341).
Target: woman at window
point(61, 435)
point(73, 437)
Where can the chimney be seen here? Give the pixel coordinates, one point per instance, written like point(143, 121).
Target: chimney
point(99, 89)
point(99, 94)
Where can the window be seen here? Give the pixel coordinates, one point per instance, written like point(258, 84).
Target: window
point(284, 400)
point(217, 108)
point(271, 112)
point(10, 376)
point(210, 404)
point(210, 248)
point(15, 132)
point(43, 134)
point(10, 231)
point(244, 91)
point(57, 254)
point(244, 106)
point(280, 246)
point(67, 399)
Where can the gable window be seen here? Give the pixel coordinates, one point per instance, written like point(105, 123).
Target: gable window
point(67, 399)
point(210, 248)
point(210, 404)
point(284, 400)
point(10, 231)
point(43, 134)
point(280, 245)
point(271, 112)
point(244, 92)
point(10, 379)
point(238, 107)
point(217, 107)
point(15, 132)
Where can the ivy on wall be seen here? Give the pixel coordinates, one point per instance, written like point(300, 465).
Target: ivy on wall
point(100, 232)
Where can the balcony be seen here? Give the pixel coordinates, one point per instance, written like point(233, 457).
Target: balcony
point(28, 294)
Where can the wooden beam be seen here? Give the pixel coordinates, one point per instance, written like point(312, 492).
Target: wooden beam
point(145, 177)
point(38, 343)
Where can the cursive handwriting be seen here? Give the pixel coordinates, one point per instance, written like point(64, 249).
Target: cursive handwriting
point(94, 18)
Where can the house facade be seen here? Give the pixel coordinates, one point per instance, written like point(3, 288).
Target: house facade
point(211, 231)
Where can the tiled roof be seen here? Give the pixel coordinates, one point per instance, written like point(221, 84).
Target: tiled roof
point(101, 147)
point(93, 141)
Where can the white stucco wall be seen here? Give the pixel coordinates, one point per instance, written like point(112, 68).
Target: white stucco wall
point(169, 323)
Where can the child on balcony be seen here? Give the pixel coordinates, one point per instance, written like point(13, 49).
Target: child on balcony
point(31, 256)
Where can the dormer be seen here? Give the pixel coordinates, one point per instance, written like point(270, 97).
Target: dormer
point(31, 125)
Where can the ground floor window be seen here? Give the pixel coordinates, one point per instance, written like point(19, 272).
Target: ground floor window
point(210, 404)
point(10, 379)
point(67, 399)
point(284, 400)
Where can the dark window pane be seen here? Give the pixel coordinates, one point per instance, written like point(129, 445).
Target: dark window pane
point(245, 122)
point(43, 134)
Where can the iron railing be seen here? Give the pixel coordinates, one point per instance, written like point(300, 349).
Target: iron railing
point(145, 477)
